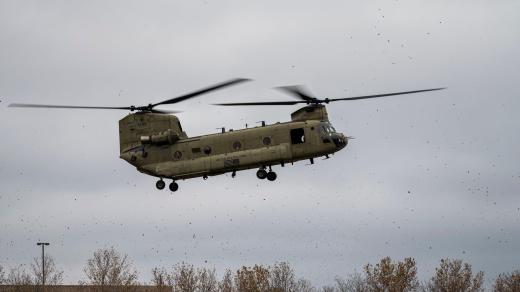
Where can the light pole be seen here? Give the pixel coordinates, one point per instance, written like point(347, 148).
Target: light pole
point(43, 244)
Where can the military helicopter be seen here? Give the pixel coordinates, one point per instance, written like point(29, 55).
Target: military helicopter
point(154, 142)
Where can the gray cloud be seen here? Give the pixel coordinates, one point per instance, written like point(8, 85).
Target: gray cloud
point(430, 175)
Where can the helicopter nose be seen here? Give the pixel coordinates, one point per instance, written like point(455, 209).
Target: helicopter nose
point(340, 141)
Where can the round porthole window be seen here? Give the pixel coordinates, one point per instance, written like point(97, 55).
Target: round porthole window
point(207, 150)
point(177, 155)
point(267, 141)
point(237, 145)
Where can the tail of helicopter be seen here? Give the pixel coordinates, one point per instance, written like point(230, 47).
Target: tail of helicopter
point(136, 130)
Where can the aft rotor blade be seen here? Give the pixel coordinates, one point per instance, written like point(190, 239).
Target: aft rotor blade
point(263, 103)
point(298, 91)
point(385, 94)
point(203, 91)
point(30, 105)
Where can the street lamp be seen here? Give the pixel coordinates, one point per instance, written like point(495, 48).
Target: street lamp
point(43, 244)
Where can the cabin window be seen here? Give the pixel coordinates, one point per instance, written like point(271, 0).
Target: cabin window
point(237, 145)
point(297, 136)
point(207, 150)
point(267, 141)
point(195, 150)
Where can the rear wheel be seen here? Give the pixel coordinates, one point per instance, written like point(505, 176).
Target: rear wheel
point(261, 174)
point(160, 184)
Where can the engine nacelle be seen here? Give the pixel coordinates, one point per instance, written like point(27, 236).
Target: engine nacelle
point(163, 138)
point(316, 112)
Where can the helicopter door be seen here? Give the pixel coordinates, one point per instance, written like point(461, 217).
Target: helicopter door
point(298, 142)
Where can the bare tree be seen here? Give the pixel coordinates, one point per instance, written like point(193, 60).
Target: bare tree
point(53, 276)
point(281, 277)
point(226, 284)
point(352, 283)
point(184, 278)
point(328, 289)
point(2, 275)
point(18, 276)
point(160, 277)
point(303, 285)
point(455, 276)
point(389, 276)
point(207, 281)
point(255, 279)
point(108, 267)
point(507, 282)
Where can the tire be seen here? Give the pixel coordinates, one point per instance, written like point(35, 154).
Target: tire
point(271, 176)
point(160, 184)
point(261, 174)
point(173, 187)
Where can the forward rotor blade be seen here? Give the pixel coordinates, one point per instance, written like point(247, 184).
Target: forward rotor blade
point(263, 103)
point(203, 91)
point(164, 111)
point(65, 106)
point(385, 94)
point(298, 91)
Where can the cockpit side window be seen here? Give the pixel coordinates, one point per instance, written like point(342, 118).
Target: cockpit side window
point(327, 128)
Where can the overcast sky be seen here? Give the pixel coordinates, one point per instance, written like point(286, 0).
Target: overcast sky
point(430, 175)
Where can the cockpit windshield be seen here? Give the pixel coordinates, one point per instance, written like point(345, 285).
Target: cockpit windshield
point(327, 128)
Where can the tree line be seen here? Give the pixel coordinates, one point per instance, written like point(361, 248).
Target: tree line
point(108, 267)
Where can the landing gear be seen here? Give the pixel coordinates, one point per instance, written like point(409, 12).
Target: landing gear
point(261, 173)
point(160, 184)
point(173, 186)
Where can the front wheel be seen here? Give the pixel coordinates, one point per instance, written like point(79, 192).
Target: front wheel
point(271, 176)
point(174, 187)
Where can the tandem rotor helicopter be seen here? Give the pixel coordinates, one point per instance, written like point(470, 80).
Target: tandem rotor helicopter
point(154, 142)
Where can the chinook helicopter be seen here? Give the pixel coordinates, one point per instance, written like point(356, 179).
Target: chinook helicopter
point(154, 142)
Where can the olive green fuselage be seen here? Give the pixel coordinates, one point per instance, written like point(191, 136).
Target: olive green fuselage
point(156, 145)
